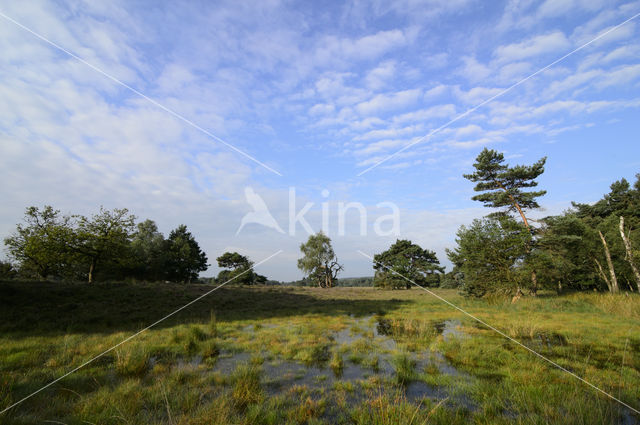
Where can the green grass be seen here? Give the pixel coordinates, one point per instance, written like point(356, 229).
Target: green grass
point(175, 373)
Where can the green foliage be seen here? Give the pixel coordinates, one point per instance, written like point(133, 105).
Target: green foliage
point(319, 262)
point(405, 261)
point(105, 246)
point(502, 185)
point(239, 269)
point(148, 249)
point(563, 254)
point(185, 259)
point(490, 253)
point(40, 246)
point(104, 240)
point(453, 279)
point(7, 271)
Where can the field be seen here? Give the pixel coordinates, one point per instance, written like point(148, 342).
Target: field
point(276, 355)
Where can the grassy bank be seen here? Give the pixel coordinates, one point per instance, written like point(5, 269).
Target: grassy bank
point(276, 355)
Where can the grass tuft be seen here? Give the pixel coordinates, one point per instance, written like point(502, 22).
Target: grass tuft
point(132, 361)
point(210, 349)
point(213, 324)
point(246, 387)
point(404, 366)
point(336, 363)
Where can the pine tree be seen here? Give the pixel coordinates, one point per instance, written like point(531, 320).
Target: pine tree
point(502, 187)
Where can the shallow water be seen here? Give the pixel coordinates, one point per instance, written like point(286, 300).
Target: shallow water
point(279, 375)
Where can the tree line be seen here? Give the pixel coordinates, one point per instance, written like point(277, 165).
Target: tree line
point(105, 246)
point(588, 247)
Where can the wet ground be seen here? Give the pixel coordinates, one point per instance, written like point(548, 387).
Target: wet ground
point(280, 375)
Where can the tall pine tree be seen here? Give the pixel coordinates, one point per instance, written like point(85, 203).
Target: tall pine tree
point(502, 187)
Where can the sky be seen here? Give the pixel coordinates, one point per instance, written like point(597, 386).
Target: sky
point(174, 111)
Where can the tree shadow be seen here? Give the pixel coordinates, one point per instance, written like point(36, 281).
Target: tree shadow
point(52, 308)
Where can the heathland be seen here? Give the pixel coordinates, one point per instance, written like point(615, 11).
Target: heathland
point(274, 355)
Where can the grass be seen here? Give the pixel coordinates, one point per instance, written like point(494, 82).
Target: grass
point(183, 370)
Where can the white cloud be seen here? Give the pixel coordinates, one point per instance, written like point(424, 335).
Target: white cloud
point(331, 48)
point(390, 132)
point(435, 92)
point(389, 101)
point(535, 46)
point(477, 94)
point(379, 76)
point(439, 111)
point(555, 8)
point(473, 70)
point(321, 109)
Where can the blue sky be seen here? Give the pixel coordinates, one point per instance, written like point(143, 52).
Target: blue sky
point(319, 91)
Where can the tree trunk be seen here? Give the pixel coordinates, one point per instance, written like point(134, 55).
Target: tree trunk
point(614, 280)
point(603, 275)
point(91, 269)
point(517, 296)
point(534, 283)
point(627, 247)
point(534, 276)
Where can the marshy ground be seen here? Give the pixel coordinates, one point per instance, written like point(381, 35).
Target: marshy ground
point(274, 355)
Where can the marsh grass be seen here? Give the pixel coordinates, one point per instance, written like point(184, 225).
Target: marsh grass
point(590, 334)
point(404, 366)
point(132, 360)
point(246, 386)
point(213, 324)
point(210, 349)
point(336, 363)
point(393, 408)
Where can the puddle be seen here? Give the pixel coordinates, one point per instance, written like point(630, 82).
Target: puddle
point(280, 375)
point(227, 363)
point(417, 391)
point(449, 328)
point(546, 340)
point(345, 336)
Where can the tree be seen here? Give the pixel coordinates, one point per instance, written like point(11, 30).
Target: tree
point(7, 271)
point(502, 187)
point(185, 259)
point(564, 253)
point(403, 262)
point(103, 240)
point(40, 247)
point(490, 254)
point(148, 248)
point(319, 262)
point(629, 253)
point(238, 267)
point(614, 257)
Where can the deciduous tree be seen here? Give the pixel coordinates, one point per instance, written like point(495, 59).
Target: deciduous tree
point(40, 246)
point(104, 238)
point(319, 262)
